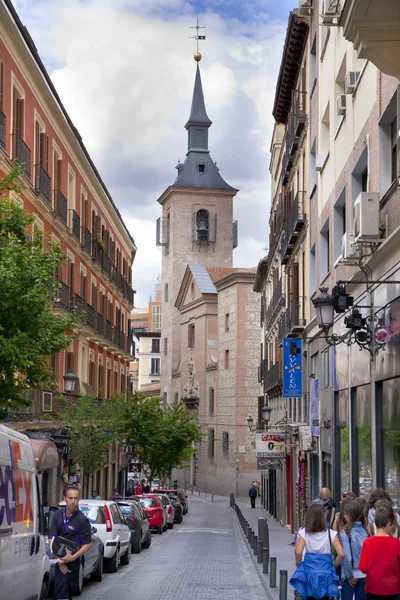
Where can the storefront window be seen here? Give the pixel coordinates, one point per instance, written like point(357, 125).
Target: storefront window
point(391, 437)
point(343, 424)
point(363, 439)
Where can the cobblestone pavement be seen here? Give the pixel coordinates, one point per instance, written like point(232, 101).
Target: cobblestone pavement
point(204, 558)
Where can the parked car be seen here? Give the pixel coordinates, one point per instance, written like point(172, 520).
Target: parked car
point(154, 511)
point(169, 509)
point(138, 524)
point(90, 564)
point(181, 495)
point(107, 518)
point(178, 508)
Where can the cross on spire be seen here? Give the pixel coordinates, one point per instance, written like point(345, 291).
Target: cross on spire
point(197, 37)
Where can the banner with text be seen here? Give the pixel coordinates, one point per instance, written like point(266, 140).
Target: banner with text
point(292, 368)
point(270, 445)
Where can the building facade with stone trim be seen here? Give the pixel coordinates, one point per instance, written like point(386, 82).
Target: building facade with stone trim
point(72, 206)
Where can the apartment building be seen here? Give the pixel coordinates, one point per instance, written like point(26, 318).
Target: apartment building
point(73, 207)
point(340, 433)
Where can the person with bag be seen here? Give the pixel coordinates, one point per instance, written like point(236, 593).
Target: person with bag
point(315, 576)
point(72, 525)
point(352, 537)
point(380, 558)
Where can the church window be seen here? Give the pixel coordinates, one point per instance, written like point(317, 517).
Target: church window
point(226, 359)
point(202, 226)
point(211, 400)
point(191, 335)
point(201, 168)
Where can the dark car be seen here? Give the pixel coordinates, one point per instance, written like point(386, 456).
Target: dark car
point(178, 508)
point(138, 524)
point(90, 564)
point(181, 495)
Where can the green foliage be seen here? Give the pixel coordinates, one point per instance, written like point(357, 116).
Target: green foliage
point(92, 428)
point(163, 436)
point(29, 331)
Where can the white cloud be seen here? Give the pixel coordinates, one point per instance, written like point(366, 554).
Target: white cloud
point(125, 74)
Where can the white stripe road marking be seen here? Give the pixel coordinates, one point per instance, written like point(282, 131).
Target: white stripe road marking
point(218, 531)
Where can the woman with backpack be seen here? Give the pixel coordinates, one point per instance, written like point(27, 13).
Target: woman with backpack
point(352, 537)
point(315, 576)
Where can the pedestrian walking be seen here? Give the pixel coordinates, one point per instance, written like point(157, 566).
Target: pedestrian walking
point(339, 521)
point(380, 558)
point(138, 489)
point(315, 576)
point(70, 523)
point(325, 494)
point(146, 488)
point(95, 495)
point(380, 495)
point(253, 495)
point(352, 536)
point(116, 493)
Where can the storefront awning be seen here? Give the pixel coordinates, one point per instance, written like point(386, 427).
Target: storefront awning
point(45, 453)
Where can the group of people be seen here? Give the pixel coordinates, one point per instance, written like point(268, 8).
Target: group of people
point(134, 489)
point(354, 551)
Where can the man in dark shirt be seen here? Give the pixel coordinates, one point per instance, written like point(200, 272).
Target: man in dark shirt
point(70, 523)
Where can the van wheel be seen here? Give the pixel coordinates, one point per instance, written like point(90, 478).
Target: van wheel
point(44, 591)
point(97, 575)
point(78, 585)
point(113, 562)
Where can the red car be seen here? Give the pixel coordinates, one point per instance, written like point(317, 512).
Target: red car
point(154, 511)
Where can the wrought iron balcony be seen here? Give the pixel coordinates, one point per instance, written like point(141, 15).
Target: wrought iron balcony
point(61, 207)
point(97, 252)
point(100, 324)
point(90, 316)
point(3, 130)
point(287, 163)
point(282, 326)
point(43, 186)
point(114, 274)
point(116, 335)
point(79, 307)
point(299, 100)
point(294, 225)
point(22, 153)
point(109, 331)
point(292, 322)
point(76, 225)
point(106, 264)
point(277, 300)
point(63, 298)
point(273, 377)
point(86, 239)
point(261, 370)
point(121, 282)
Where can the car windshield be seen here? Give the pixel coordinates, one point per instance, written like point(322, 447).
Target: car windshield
point(148, 502)
point(94, 513)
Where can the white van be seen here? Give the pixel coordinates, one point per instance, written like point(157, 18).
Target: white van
point(24, 564)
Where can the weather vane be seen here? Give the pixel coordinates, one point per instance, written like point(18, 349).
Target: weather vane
point(197, 56)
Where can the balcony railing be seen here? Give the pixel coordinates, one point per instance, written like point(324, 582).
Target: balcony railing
point(294, 225)
point(116, 335)
point(63, 296)
point(79, 306)
point(273, 377)
point(3, 129)
point(43, 186)
point(261, 370)
point(86, 239)
point(100, 324)
point(292, 322)
point(109, 331)
point(90, 316)
point(107, 264)
point(114, 274)
point(299, 100)
point(22, 153)
point(61, 208)
point(76, 225)
point(278, 298)
point(97, 253)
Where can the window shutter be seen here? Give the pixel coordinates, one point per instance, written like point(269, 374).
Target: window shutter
point(2, 86)
point(38, 145)
point(19, 117)
point(295, 279)
point(194, 236)
point(97, 228)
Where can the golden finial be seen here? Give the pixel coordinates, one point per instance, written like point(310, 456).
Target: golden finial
point(197, 56)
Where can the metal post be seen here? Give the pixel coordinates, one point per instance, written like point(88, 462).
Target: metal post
point(249, 534)
point(261, 529)
point(192, 490)
point(199, 493)
point(266, 533)
point(272, 575)
point(282, 585)
point(206, 495)
point(232, 500)
point(212, 497)
point(255, 547)
point(259, 555)
point(265, 561)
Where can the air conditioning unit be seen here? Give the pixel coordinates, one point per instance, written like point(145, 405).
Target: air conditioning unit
point(366, 217)
point(341, 104)
point(305, 438)
point(330, 12)
point(348, 251)
point(350, 81)
point(305, 7)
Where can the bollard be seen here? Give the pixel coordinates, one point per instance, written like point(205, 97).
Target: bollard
point(192, 490)
point(266, 534)
point(206, 495)
point(282, 585)
point(249, 534)
point(265, 561)
point(212, 497)
point(259, 555)
point(199, 493)
point(255, 546)
point(232, 500)
point(272, 575)
point(261, 529)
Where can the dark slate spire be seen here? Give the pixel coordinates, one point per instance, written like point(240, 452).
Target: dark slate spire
point(199, 170)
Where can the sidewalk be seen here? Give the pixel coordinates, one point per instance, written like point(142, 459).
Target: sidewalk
point(279, 540)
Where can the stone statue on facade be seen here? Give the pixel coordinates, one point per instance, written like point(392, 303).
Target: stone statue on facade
point(191, 389)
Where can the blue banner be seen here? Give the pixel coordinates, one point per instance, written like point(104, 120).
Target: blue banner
point(292, 368)
point(314, 407)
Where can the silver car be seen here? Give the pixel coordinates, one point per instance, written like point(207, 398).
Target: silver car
point(169, 509)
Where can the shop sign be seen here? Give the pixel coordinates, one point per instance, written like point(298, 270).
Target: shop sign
point(302, 480)
point(62, 443)
point(134, 466)
point(270, 445)
point(292, 368)
point(270, 464)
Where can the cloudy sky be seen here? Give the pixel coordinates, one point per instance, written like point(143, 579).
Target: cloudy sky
point(125, 72)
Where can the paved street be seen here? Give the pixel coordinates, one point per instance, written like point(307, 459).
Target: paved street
point(205, 558)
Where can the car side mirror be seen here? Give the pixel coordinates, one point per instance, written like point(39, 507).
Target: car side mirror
point(94, 529)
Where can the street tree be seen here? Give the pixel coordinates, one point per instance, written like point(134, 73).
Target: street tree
point(164, 436)
point(92, 426)
point(29, 331)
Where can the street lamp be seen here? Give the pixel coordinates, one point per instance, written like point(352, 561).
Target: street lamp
point(69, 382)
point(265, 418)
point(324, 309)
